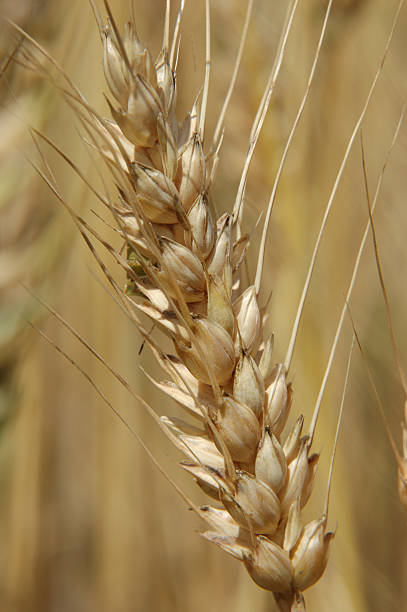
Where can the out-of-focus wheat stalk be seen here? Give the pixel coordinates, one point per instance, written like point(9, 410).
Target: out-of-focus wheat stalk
point(401, 458)
point(116, 454)
point(29, 250)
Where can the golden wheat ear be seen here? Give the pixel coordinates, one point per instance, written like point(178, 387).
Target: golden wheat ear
point(183, 269)
point(183, 264)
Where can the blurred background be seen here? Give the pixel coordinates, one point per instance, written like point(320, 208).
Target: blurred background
point(86, 521)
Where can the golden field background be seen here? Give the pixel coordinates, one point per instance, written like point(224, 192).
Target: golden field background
point(86, 522)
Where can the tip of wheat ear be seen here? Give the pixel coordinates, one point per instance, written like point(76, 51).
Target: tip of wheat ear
point(186, 278)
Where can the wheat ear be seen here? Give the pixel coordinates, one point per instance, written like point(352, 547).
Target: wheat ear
point(183, 272)
point(182, 265)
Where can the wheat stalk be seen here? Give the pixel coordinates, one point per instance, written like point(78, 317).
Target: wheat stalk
point(401, 458)
point(29, 250)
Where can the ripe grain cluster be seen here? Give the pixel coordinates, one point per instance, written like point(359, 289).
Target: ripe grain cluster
point(183, 264)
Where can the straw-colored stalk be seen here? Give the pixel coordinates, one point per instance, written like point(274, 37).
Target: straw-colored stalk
point(401, 458)
point(31, 238)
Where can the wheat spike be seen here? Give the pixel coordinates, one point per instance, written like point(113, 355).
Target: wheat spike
point(183, 268)
point(183, 264)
